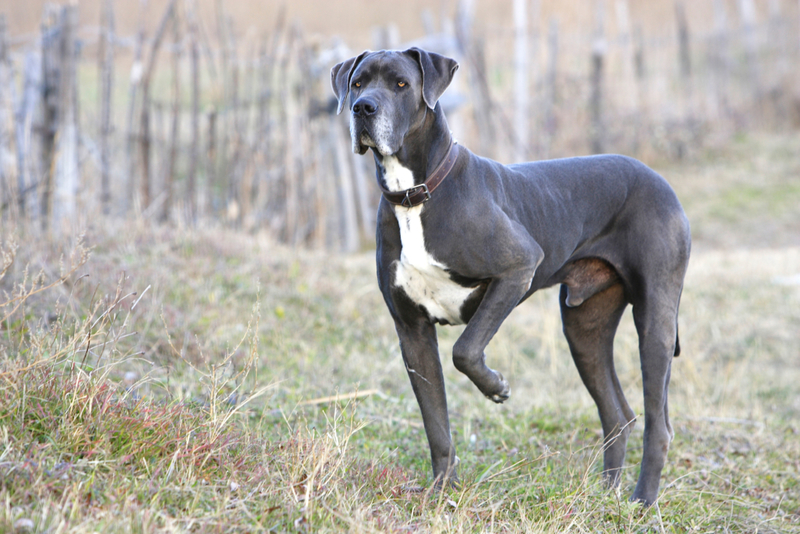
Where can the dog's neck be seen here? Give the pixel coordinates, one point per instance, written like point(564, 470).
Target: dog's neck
point(420, 154)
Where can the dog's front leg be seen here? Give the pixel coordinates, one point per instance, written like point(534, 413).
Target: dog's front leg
point(502, 295)
point(420, 350)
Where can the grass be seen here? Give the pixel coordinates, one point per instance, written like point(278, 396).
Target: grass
point(177, 381)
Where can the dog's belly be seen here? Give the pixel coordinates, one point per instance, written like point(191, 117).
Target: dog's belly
point(425, 280)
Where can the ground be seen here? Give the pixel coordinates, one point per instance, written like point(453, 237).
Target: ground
point(203, 401)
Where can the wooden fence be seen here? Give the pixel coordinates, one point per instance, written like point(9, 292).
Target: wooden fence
point(185, 127)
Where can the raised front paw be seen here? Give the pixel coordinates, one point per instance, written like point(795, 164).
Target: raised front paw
point(500, 390)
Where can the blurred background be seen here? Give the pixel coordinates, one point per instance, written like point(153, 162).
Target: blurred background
point(204, 112)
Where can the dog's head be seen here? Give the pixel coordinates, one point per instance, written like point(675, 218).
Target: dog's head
point(390, 92)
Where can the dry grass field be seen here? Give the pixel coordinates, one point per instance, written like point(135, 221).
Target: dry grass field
point(185, 380)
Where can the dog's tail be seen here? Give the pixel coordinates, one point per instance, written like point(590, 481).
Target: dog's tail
point(677, 342)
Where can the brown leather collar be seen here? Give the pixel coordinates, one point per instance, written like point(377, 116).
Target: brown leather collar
point(419, 194)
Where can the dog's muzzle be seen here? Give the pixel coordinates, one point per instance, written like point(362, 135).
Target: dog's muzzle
point(369, 127)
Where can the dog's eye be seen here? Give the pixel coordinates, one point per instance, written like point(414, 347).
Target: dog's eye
point(357, 84)
point(401, 84)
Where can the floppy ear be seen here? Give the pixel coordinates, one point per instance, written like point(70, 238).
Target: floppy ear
point(437, 73)
point(340, 78)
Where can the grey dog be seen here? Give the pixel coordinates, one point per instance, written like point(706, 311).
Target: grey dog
point(462, 239)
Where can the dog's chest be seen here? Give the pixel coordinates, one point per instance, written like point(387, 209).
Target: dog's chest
point(424, 279)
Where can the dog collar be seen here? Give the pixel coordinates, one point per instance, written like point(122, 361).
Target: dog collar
point(419, 194)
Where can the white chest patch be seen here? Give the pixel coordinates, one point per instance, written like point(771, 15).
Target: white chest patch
point(424, 279)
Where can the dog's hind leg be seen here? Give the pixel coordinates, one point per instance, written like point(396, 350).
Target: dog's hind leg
point(655, 319)
point(590, 330)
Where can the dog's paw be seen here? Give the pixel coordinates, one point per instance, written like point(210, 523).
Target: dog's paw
point(505, 390)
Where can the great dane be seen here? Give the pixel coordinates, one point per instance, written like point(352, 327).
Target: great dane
point(462, 239)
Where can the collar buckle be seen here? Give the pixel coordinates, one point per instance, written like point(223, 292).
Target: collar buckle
point(407, 203)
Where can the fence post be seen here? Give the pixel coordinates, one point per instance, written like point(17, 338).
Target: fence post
point(66, 163)
point(685, 74)
point(642, 89)
point(50, 64)
point(747, 12)
point(596, 98)
point(346, 195)
point(131, 140)
point(106, 67)
point(521, 80)
point(5, 80)
point(720, 61)
point(627, 95)
point(194, 150)
point(684, 52)
point(627, 83)
point(211, 165)
point(550, 125)
point(233, 133)
point(144, 128)
point(169, 176)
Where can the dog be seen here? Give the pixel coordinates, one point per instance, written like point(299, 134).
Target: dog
point(463, 239)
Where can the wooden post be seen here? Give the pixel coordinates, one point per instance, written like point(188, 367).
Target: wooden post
point(224, 113)
point(50, 102)
point(472, 46)
point(233, 133)
point(194, 150)
point(642, 88)
point(261, 141)
point(534, 109)
point(66, 163)
point(483, 107)
point(626, 93)
point(781, 48)
point(145, 188)
point(267, 189)
point(169, 176)
point(131, 134)
point(628, 88)
point(684, 52)
point(363, 185)
point(290, 164)
point(5, 82)
point(720, 63)
point(23, 115)
point(211, 156)
point(106, 68)
point(747, 12)
point(346, 194)
point(248, 142)
point(638, 53)
point(521, 81)
point(550, 126)
point(685, 62)
point(596, 131)
point(70, 169)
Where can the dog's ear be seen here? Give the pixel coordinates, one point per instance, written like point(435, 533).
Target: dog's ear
point(437, 73)
point(340, 78)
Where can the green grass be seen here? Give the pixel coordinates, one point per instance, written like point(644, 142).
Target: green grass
point(176, 381)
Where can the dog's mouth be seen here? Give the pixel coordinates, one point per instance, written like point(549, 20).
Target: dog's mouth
point(366, 140)
point(376, 133)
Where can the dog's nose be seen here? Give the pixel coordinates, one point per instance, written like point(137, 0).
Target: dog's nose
point(365, 107)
